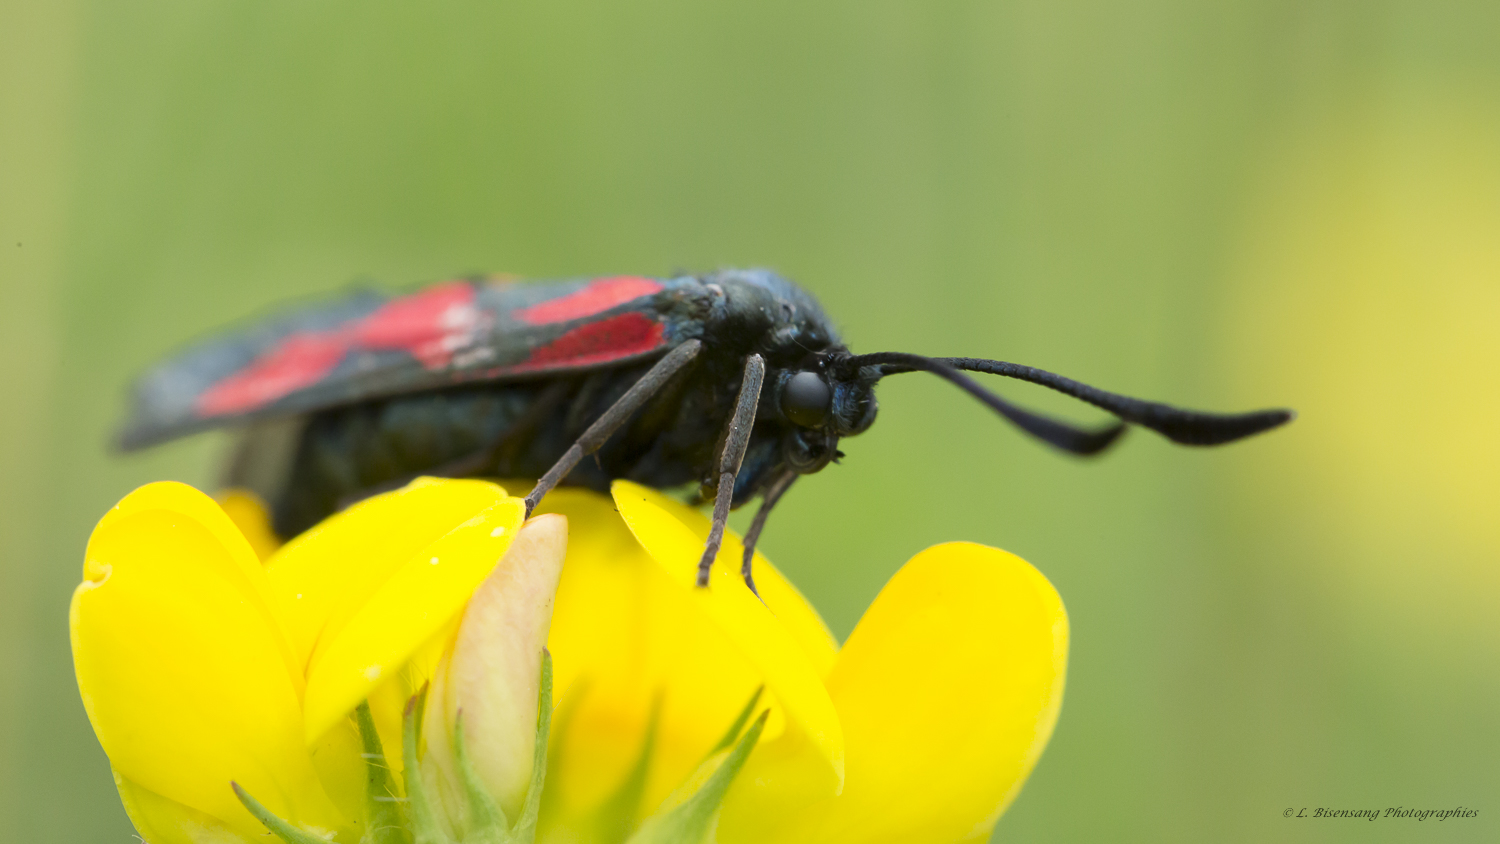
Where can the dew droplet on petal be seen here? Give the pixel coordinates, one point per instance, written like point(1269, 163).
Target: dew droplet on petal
point(434, 561)
point(372, 673)
point(497, 531)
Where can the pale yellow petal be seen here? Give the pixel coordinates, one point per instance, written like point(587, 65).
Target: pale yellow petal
point(948, 691)
point(494, 667)
point(182, 671)
point(366, 642)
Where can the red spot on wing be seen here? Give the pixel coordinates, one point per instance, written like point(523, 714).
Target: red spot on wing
point(298, 361)
point(599, 296)
point(431, 325)
point(607, 340)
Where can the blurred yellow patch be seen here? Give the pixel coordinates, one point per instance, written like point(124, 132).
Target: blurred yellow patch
point(1369, 299)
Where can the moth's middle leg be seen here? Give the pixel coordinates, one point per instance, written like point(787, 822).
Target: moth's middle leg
point(733, 455)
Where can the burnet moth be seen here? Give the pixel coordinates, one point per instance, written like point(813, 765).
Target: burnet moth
point(735, 381)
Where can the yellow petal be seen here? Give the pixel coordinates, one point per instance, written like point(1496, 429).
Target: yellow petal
point(246, 569)
point(791, 678)
point(625, 636)
point(790, 608)
point(493, 671)
point(325, 576)
point(364, 643)
point(250, 515)
point(179, 497)
point(389, 698)
point(338, 758)
point(162, 821)
point(182, 669)
point(948, 690)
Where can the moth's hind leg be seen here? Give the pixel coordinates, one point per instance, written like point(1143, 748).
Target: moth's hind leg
point(752, 536)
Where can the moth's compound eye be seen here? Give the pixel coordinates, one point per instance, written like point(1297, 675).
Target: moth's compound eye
point(805, 399)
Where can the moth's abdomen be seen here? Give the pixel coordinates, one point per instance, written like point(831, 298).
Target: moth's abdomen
point(349, 452)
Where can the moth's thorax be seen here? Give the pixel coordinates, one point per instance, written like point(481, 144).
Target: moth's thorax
point(765, 314)
point(798, 422)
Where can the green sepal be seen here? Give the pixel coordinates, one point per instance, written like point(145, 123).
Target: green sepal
point(280, 828)
point(486, 823)
point(384, 823)
point(692, 822)
point(524, 831)
point(424, 823)
point(739, 723)
point(550, 802)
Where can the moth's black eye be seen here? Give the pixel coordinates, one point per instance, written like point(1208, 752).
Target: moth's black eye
point(805, 399)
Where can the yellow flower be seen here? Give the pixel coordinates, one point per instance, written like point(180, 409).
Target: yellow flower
point(199, 666)
point(921, 728)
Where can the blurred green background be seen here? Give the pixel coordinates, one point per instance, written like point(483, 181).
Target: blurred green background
point(1227, 205)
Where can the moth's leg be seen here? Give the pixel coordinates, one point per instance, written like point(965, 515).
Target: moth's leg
point(610, 421)
point(777, 489)
point(734, 453)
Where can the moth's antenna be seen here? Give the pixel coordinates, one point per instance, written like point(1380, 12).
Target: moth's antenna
point(1059, 434)
point(1189, 427)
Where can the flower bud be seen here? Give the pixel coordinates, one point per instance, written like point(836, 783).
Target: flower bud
point(491, 675)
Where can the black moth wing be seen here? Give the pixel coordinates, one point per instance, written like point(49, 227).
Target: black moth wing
point(368, 346)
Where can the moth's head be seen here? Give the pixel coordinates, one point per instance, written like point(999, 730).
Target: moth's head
point(832, 394)
point(821, 400)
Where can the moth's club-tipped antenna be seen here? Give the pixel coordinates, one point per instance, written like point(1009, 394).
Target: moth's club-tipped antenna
point(1188, 427)
point(1059, 434)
